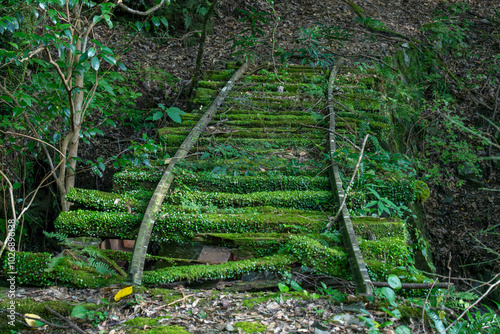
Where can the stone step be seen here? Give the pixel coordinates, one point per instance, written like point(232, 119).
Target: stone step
point(208, 181)
point(173, 224)
point(137, 202)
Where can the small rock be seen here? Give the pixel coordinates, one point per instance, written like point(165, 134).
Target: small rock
point(320, 328)
point(354, 307)
point(229, 327)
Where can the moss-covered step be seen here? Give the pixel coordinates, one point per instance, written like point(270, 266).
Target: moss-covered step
point(223, 76)
point(273, 104)
point(391, 250)
point(104, 201)
point(248, 144)
point(241, 239)
point(292, 77)
point(259, 111)
point(312, 253)
point(232, 269)
point(251, 116)
point(175, 225)
point(208, 181)
point(359, 102)
point(223, 131)
point(297, 88)
point(305, 200)
point(370, 228)
point(261, 122)
point(170, 150)
point(140, 178)
point(366, 80)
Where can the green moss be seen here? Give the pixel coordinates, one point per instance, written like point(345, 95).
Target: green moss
point(244, 238)
point(392, 250)
point(229, 269)
point(174, 225)
point(422, 191)
point(211, 84)
point(358, 102)
point(28, 305)
point(377, 228)
point(105, 201)
point(31, 267)
point(167, 295)
point(158, 329)
point(250, 327)
point(312, 253)
point(204, 95)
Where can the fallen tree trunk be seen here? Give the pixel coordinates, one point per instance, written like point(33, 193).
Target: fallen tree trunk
point(141, 244)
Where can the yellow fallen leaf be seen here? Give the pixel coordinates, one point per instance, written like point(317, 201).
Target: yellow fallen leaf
point(32, 322)
point(123, 293)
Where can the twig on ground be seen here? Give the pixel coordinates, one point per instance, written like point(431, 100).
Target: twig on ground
point(329, 225)
point(69, 322)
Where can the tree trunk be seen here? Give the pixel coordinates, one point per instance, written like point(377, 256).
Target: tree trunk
point(141, 244)
point(201, 48)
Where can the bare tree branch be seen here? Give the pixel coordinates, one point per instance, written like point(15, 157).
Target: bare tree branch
point(137, 12)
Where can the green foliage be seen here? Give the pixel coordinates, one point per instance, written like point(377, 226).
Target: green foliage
point(250, 327)
point(336, 296)
point(95, 317)
point(245, 42)
point(312, 49)
point(371, 23)
point(389, 250)
point(33, 269)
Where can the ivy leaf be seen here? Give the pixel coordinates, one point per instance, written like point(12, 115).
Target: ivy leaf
point(95, 63)
point(157, 115)
point(296, 286)
point(283, 287)
point(79, 312)
point(175, 114)
point(403, 330)
point(389, 294)
point(394, 282)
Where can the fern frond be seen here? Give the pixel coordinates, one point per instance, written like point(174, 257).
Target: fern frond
point(101, 268)
point(438, 324)
point(55, 235)
point(54, 262)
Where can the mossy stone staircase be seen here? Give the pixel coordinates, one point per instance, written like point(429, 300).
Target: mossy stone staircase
point(256, 183)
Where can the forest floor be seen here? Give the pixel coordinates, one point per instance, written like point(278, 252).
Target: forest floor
point(214, 311)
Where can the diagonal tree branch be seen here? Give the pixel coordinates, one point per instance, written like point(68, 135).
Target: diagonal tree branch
point(137, 12)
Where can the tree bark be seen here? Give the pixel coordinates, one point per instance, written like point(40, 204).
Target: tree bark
point(141, 244)
point(201, 49)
